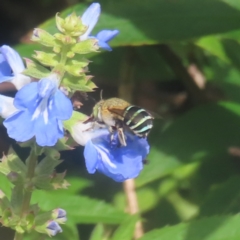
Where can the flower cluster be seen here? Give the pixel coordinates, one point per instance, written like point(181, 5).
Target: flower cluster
point(41, 113)
point(41, 109)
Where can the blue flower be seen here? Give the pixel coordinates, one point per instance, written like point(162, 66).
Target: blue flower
point(53, 228)
point(89, 19)
point(6, 106)
point(41, 109)
point(11, 67)
point(118, 163)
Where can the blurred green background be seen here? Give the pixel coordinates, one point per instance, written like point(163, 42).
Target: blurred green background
point(181, 60)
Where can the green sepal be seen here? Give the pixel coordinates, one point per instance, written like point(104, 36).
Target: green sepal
point(75, 118)
point(86, 46)
point(76, 68)
point(12, 163)
point(43, 37)
point(43, 218)
point(4, 202)
point(59, 182)
point(47, 59)
point(46, 166)
point(35, 70)
point(63, 144)
point(65, 39)
point(70, 54)
point(83, 83)
point(45, 170)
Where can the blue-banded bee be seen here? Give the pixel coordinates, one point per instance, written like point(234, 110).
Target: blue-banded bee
point(120, 115)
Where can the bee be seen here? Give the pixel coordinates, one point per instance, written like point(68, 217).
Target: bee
point(119, 115)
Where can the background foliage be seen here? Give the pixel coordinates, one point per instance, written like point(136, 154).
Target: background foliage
point(190, 190)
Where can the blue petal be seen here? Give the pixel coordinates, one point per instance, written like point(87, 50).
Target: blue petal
point(19, 126)
point(5, 69)
point(27, 97)
point(46, 87)
point(91, 157)
point(61, 106)
point(13, 59)
point(107, 35)
point(119, 163)
point(90, 18)
point(48, 133)
point(104, 45)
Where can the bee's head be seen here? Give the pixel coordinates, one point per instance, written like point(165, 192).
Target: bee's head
point(97, 111)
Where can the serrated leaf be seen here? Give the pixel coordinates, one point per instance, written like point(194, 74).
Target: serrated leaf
point(126, 229)
point(212, 228)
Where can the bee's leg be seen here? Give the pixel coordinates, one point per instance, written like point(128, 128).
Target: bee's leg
point(121, 137)
point(111, 134)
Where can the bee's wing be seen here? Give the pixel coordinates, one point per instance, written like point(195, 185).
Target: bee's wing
point(118, 111)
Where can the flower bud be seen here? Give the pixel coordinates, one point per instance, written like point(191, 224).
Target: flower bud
point(14, 177)
point(59, 215)
point(66, 39)
point(53, 228)
point(71, 25)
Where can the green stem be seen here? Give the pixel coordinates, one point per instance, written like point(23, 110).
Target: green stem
point(18, 236)
point(31, 164)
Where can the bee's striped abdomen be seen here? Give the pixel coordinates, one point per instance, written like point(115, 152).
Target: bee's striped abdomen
point(138, 120)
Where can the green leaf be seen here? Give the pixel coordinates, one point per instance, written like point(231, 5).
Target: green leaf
point(213, 45)
point(80, 209)
point(212, 228)
point(159, 166)
point(157, 21)
point(126, 229)
point(222, 198)
point(147, 199)
point(97, 233)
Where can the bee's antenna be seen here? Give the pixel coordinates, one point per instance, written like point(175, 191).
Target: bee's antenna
point(101, 93)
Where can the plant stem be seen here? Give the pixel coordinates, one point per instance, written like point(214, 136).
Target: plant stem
point(31, 164)
point(125, 91)
point(18, 236)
